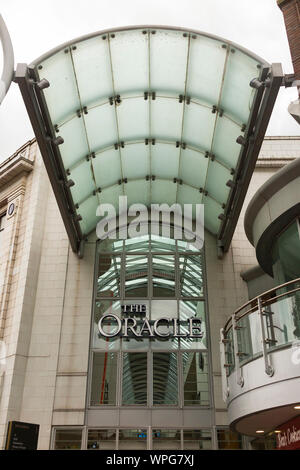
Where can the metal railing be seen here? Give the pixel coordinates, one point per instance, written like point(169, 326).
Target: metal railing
point(259, 327)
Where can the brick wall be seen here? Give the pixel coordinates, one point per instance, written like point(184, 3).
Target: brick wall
point(291, 13)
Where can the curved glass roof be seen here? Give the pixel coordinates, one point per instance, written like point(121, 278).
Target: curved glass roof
point(152, 113)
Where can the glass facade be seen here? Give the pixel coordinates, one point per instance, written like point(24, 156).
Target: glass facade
point(149, 341)
point(153, 288)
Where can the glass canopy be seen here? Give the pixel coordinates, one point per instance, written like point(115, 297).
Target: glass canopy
point(152, 113)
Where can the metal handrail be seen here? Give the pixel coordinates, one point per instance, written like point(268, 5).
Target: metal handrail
point(268, 301)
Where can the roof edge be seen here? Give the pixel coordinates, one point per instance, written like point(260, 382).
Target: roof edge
point(85, 37)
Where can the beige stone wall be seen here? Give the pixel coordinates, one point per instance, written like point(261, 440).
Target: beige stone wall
point(226, 289)
point(46, 319)
point(46, 302)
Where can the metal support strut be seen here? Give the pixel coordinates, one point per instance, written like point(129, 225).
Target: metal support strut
point(268, 367)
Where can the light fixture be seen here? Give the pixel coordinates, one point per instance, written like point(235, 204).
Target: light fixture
point(259, 431)
point(277, 431)
point(297, 407)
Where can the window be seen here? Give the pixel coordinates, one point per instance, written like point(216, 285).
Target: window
point(101, 439)
point(149, 300)
point(133, 439)
point(197, 440)
point(195, 378)
point(165, 379)
point(168, 439)
point(2, 225)
point(68, 439)
point(229, 439)
point(104, 379)
point(286, 254)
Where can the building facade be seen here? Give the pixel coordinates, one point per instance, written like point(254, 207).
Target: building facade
point(175, 386)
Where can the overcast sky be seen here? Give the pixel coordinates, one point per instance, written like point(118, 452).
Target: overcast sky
point(37, 26)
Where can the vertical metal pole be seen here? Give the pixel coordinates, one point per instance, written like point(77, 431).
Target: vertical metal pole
point(223, 366)
point(240, 379)
point(268, 368)
point(8, 60)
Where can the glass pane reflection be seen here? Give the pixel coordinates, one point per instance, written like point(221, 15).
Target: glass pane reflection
point(191, 276)
point(68, 439)
point(101, 439)
point(163, 275)
point(108, 282)
point(136, 276)
point(134, 391)
point(104, 379)
point(195, 378)
point(189, 309)
point(167, 439)
point(165, 380)
point(197, 440)
point(132, 439)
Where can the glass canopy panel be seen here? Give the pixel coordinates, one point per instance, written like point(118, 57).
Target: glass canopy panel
point(111, 195)
point(198, 128)
point(107, 168)
point(84, 182)
point(165, 160)
point(86, 78)
point(237, 96)
point(93, 71)
point(101, 127)
point(212, 210)
point(127, 64)
point(217, 177)
point(138, 192)
point(62, 95)
point(163, 191)
point(188, 195)
point(75, 146)
point(133, 119)
point(193, 168)
point(206, 65)
point(135, 160)
point(168, 61)
point(166, 119)
point(87, 209)
point(225, 147)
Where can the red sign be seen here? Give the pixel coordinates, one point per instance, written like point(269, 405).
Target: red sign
point(289, 436)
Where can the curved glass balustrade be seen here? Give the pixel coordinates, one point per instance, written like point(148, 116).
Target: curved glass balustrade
point(264, 324)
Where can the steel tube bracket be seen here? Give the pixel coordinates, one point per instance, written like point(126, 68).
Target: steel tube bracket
point(224, 375)
point(269, 369)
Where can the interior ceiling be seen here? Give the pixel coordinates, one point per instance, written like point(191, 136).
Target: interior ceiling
point(153, 114)
point(267, 420)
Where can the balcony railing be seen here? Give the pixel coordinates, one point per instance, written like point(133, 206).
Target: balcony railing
point(263, 325)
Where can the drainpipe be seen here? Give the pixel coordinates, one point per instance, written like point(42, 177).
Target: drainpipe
point(291, 14)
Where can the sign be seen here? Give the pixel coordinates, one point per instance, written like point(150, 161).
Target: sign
point(289, 436)
point(22, 436)
point(138, 326)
